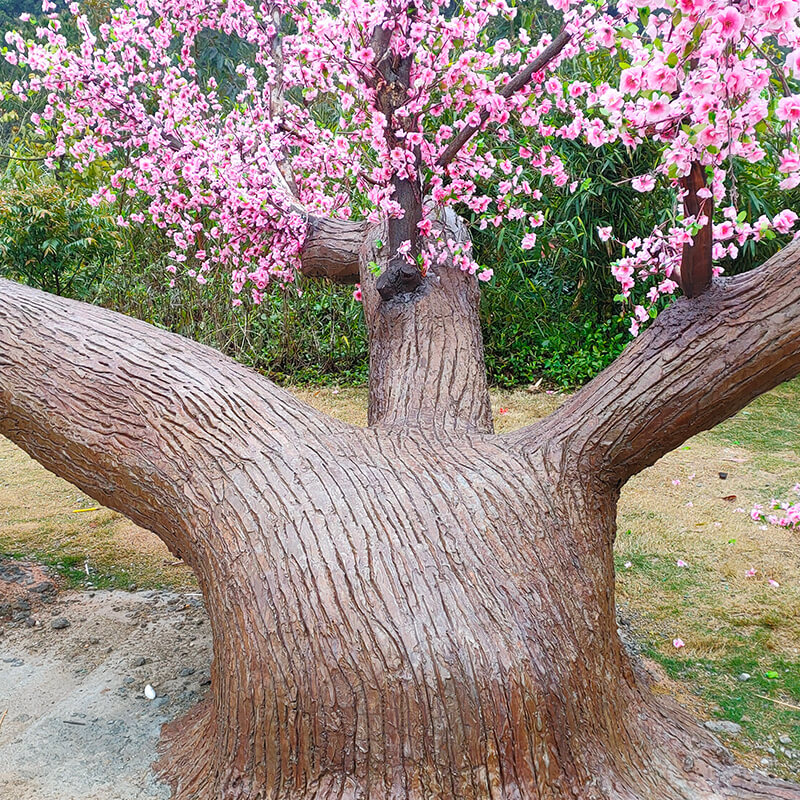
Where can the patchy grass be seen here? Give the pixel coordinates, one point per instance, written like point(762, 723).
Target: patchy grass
point(730, 624)
point(39, 518)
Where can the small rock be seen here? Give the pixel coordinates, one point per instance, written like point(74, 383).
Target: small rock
point(59, 623)
point(785, 739)
point(149, 692)
point(724, 726)
point(139, 662)
point(744, 676)
point(160, 702)
point(765, 761)
point(186, 672)
point(30, 622)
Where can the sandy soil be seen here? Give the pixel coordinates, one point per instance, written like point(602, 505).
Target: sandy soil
point(76, 724)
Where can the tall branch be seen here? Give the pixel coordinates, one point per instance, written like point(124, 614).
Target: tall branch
point(700, 362)
point(696, 260)
point(519, 81)
point(277, 98)
point(392, 91)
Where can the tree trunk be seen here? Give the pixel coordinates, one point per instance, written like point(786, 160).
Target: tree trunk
point(419, 609)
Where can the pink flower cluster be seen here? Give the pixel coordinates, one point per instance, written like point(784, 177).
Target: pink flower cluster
point(785, 514)
point(233, 181)
point(713, 81)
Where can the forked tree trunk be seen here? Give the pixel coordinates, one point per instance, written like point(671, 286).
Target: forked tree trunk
point(420, 609)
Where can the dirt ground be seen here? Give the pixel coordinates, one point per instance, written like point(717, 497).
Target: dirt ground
point(75, 723)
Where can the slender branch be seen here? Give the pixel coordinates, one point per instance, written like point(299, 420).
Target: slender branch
point(697, 263)
point(520, 80)
point(700, 362)
point(23, 158)
point(277, 99)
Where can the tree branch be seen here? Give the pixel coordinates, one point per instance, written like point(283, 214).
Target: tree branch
point(277, 99)
point(332, 249)
point(697, 262)
point(146, 422)
point(700, 362)
point(520, 80)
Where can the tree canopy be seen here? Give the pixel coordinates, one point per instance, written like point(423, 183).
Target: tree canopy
point(368, 109)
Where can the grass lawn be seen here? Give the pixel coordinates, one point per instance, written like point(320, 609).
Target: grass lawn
point(679, 509)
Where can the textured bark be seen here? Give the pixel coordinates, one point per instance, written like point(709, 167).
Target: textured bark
point(426, 350)
point(701, 362)
point(332, 249)
point(403, 612)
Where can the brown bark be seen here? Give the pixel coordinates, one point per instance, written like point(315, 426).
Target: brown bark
point(701, 362)
point(696, 261)
point(426, 350)
point(407, 611)
point(332, 249)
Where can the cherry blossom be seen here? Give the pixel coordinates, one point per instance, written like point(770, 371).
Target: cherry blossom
point(233, 181)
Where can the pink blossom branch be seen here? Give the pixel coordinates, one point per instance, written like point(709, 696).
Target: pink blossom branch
point(519, 81)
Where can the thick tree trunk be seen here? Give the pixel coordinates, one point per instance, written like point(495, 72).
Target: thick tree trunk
point(418, 609)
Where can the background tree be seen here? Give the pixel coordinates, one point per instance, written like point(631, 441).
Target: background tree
point(420, 608)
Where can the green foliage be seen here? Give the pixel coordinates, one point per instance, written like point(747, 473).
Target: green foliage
point(51, 238)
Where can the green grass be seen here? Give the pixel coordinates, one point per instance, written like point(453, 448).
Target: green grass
point(72, 571)
point(769, 425)
point(745, 702)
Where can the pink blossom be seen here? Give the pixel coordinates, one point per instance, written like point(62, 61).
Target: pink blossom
point(678, 643)
point(730, 22)
point(784, 221)
point(789, 108)
point(644, 183)
point(630, 80)
point(604, 233)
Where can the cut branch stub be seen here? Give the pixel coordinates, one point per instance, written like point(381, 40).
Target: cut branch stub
point(399, 277)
